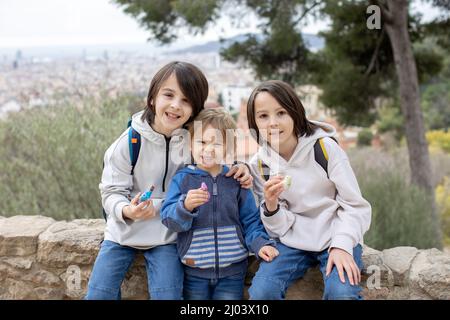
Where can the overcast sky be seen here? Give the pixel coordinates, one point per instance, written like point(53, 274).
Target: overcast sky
point(82, 22)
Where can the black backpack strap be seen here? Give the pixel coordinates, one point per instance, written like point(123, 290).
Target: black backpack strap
point(264, 170)
point(321, 155)
point(105, 216)
point(134, 143)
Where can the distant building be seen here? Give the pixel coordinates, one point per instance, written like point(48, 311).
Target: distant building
point(10, 106)
point(232, 97)
point(310, 97)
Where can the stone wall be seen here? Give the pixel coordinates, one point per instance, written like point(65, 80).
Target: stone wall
point(41, 258)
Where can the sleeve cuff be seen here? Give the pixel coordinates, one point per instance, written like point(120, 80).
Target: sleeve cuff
point(268, 213)
point(118, 211)
point(183, 213)
point(342, 242)
point(260, 242)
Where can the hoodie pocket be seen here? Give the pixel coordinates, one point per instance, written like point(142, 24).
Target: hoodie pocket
point(201, 252)
point(231, 246)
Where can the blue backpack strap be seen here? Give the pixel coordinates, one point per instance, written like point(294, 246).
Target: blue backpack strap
point(134, 143)
point(321, 155)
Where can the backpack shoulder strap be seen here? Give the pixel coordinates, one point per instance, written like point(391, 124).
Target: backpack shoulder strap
point(321, 155)
point(134, 143)
point(264, 170)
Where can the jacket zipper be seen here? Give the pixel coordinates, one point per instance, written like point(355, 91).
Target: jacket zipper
point(215, 225)
point(167, 164)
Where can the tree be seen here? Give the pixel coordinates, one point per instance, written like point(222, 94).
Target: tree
point(358, 68)
point(395, 15)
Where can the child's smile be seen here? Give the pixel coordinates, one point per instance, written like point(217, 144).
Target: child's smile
point(172, 107)
point(208, 149)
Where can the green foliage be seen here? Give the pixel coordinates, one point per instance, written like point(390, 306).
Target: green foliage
point(355, 69)
point(443, 202)
point(51, 158)
point(391, 120)
point(400, 211)
point(365, 137)
point(349, 93)
point(429, 61)
point(439, 139)
point(163, 18)
point(436, 99)
point(280, 51)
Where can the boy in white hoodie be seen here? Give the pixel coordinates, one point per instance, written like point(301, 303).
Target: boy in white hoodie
point(176, 95)
point(317, 213)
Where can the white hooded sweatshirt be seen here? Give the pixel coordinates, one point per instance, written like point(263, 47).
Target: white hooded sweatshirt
point(159, 159)
point(316, 212)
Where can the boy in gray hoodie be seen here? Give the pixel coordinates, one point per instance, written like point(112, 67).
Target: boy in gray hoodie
point(313, 208)
point(177, 94)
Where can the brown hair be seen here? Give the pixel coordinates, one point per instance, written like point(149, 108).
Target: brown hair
point(288, 99)
point(219, 119)
point(192, 83)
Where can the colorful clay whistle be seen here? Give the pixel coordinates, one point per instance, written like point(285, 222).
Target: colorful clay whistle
point(287, 181)
point(204, 187)
point(146, 195)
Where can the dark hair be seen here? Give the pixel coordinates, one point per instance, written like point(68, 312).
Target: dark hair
point(192, 83)
point(288, 99)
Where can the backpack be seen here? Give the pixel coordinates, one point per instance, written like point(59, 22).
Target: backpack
point(134, 144)
point(320, 155)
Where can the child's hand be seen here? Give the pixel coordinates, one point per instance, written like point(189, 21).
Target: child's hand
point(343, 261)
point(272, 190)
point(195, 198)
point(242, 174)
point(141, 211)
point(268, 253)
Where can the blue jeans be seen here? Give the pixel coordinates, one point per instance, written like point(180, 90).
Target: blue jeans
point(164, 272)
point(272, 279)
point(227, 288)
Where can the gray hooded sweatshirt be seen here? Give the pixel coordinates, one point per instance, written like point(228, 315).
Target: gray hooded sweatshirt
point(316, 212)
point(158, 160)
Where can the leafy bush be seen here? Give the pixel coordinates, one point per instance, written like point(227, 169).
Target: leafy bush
point(51, 158)
point(365, 137)
point(439, 139)
point(443, 203)
point(400, 211)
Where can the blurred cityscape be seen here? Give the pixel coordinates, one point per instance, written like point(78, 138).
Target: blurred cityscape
point(31, 79)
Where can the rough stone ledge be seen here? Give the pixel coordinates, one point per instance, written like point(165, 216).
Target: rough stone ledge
point(41, 258)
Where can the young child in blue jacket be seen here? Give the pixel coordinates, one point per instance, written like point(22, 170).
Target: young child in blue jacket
point(217, 221)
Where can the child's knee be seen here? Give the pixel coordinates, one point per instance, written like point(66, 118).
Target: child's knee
point(97, 293)
point(266, 289)
point(336, 290)
point(172, 293)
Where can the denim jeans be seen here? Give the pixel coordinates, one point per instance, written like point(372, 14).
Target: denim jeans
point(272, 279)
point(227, 288)
point(164, 272)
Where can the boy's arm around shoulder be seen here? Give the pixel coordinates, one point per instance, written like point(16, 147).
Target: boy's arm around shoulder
point(255, 235)
point(173, 213)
